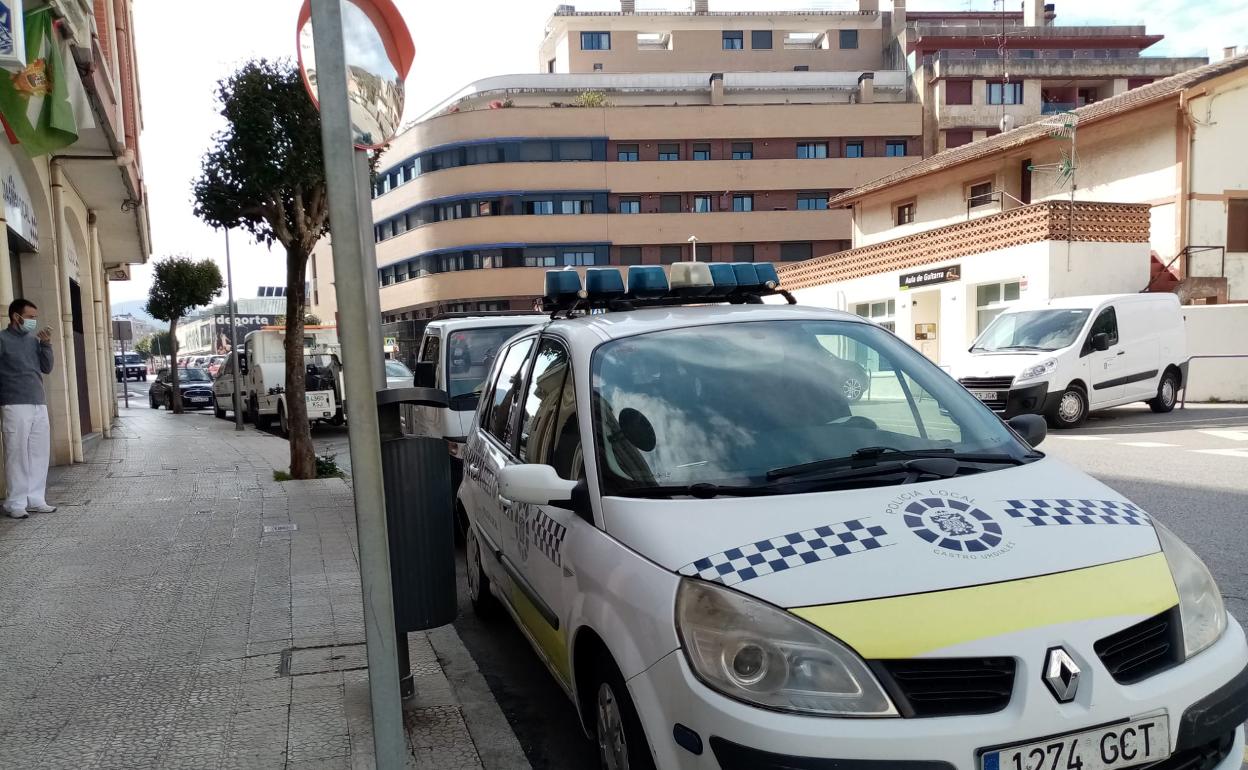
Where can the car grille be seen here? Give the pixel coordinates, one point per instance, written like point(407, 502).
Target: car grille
point(999, 384)
point(1149, 647)
point(942, 687)
point(1204, 757)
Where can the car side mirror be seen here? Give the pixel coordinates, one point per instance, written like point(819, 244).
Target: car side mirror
point(1032, 427)
point(541, 485)
point(242, 364)
point(426, 374)
point(1100, 341)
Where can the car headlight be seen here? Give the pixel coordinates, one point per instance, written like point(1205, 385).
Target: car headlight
point(758, 653)
point(1200, 601)
point(1048, 366)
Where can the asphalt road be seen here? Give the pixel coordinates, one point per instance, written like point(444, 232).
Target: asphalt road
point(1188, 468)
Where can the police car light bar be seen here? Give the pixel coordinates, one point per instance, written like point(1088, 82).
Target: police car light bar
point(691, 283)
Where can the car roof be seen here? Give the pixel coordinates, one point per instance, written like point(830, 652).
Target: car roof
point(489, 322)
point(614, 325)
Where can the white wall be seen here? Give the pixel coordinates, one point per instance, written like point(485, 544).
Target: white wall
point(1211, 330)
point(1219, 170)
point(1097, 268)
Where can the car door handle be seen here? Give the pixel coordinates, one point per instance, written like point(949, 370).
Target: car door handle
point(1121, 353)
point(504, 501)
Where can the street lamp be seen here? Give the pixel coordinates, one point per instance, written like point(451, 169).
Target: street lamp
point(693, 239)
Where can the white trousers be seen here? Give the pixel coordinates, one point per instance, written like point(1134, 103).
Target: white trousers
point(25, 428)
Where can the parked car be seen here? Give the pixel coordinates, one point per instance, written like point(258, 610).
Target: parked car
point(195, 385)
point(398, 375)
point(1069, 357)
point(129, 367)
point(727, 563)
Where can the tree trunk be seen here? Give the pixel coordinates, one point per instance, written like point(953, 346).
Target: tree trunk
point(302, 458)
point(175, 401)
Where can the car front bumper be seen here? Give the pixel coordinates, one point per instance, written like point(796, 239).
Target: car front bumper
point(1205, 699)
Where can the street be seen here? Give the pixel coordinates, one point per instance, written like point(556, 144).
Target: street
point(1186, 468)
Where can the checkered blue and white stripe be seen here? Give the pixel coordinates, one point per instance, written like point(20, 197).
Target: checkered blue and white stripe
point(795, 549)
point(548, 537)
point(1063, 512)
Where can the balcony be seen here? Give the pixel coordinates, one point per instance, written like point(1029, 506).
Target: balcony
point(1053, 108)
point(1081, 64)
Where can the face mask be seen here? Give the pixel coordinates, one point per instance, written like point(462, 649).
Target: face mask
point(30, 324)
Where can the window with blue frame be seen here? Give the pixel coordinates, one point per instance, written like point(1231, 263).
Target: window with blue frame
point(853, 150)
point(808, 150)
point(595, 41)
point(669, 152)
point(702, 151)
point(539, 207)
point(812, 202)
point(734, 40)
point(702, 204)
point(627, 152)
point(895, 149)
point(743, 203)
point(630, 205)
point(849, 39)
point(742, 150)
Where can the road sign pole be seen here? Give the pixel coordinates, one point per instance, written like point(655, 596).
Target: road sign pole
point(354, 279)
point(229, 283)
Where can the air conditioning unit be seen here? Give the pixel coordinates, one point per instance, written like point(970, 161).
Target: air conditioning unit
point(79, 21)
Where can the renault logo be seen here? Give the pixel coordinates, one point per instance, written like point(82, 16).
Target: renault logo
point(1061, 675)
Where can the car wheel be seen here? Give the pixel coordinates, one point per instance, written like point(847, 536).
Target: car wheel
point(283, 425)
point(151, 401)
point(484, 605)
point(1167, 394)
point(217, 411)
point(1070, 410)
point(853, 388)
point(617, 728)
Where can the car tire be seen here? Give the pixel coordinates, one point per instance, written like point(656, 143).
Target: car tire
point(1070, 410)
point(461, 524)
point(217, 411)
point(484, 603)
point(283, 424)
point(617, 729)
point(151, 401)
point(1167, 394)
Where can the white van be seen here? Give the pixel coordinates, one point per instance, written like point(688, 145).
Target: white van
point(1071, 356)
point(263, 378)
point(455, 354)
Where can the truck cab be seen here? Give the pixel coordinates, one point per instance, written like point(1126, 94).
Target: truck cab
point(261, 379)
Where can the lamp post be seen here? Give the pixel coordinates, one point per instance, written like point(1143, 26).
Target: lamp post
point(693, 239)
point(229, 287)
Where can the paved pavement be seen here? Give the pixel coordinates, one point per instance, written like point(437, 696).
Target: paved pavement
point(182, 609)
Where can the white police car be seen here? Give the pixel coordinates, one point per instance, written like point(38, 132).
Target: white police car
point(728, 563)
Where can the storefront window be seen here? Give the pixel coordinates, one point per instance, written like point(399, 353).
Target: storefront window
point(991, 299)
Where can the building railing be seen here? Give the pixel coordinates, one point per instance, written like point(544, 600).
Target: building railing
point(1016, 54)
point(1052, 108)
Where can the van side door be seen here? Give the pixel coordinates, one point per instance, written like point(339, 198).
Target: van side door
point(1139, 365)
point(1104, 371)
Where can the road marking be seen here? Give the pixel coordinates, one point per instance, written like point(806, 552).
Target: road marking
point(1233, 435)
point(1080, 438)
point(1224, 452)
point(1147, 444)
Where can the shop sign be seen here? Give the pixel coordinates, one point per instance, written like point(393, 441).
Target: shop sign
point(931, 277)
point(243, 325)
point(12, 35)
point(18, 209)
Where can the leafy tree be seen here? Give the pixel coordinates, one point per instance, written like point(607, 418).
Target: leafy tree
point(265, 174)
point(181, 284)
point(155, 345)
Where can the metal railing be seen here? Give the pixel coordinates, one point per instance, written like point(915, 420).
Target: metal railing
point(1053, 108)
point(1190, 359)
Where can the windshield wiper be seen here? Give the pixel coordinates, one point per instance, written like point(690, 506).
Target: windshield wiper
point(872, 455)
point(1022, 347)
point(701, 490)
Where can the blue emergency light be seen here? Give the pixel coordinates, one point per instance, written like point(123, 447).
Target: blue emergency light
point(724, 276)
point(604, 283)
point(647, 281)
point(747, 276)
point(767, 276)
point(563, 285)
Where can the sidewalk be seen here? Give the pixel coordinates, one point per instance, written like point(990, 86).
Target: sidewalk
point(183, 610)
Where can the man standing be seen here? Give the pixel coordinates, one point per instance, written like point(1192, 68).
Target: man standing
point(24, 358)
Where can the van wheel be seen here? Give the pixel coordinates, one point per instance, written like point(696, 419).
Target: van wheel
point(283, 425)
point(151, 401)
point(617, 728)
point(484, 605)
point(1070, 410)
point(217, 411)
point(1167, 393)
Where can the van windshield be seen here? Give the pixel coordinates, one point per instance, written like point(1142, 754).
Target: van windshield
point(1038, 330)
point(469, 355)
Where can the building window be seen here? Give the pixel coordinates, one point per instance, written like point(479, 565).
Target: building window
point(743, 203)
point(595, 41)
point(742, 252)
point(1005, 93)
point(979, 194)
point(883, 312)
point(802, 68)
point(597, 66)
point(577, 207)
point(734, 40)
point(958, 92)
point(669, 152)
point(957, 139)
point(991, 299)
point(812, 202)
point(630, 205)
point(895, 149)
point(539, 207)
point(630, 255)
point(742, 150)
point(550, 66)
point(626, 152)
point(853, 150)
point(702, 204)
point(849, 39)
point(579, 258)
point(669, 204)
point(904, 213)
point(702, 151)
point(809, 150)
point(795, 252)
point(670, 254)
point(1237, 224)
point(760, 39)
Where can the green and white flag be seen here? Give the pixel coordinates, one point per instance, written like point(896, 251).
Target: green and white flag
point(35, 101)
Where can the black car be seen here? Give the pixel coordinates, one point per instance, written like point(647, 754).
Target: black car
point(195, 384)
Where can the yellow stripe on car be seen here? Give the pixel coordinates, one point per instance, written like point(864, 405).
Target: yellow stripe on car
point(552, 642)
point(907, 626)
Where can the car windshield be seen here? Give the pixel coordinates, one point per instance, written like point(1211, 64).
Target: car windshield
point(1050, 329)
point(397, 370)
point(469, 355)
point(193, 375)
point(129, 358)
point(726, 404)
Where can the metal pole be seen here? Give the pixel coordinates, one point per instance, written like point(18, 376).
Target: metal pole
point(368, 252)
point(229, 287)
point(125, 376)
point(353, 281)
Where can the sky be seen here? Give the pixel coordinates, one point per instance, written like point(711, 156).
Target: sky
point(185, 46)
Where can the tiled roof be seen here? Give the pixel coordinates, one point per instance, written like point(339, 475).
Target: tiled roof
point(1115, 105)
